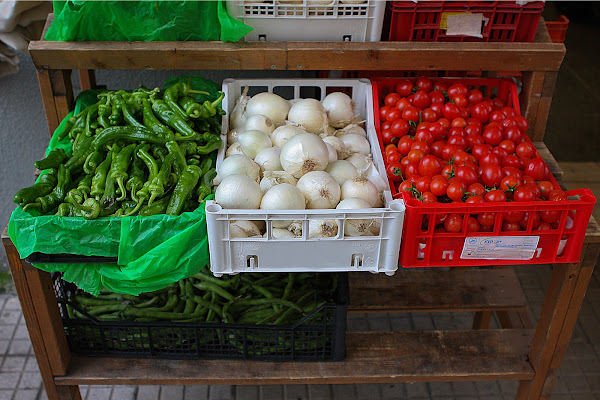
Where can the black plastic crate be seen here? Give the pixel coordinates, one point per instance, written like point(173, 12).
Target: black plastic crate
point(319, 336)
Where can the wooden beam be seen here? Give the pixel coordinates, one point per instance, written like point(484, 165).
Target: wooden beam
point(372, 357)
point(87, 79)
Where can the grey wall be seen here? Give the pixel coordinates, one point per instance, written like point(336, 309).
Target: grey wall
point(24, 133)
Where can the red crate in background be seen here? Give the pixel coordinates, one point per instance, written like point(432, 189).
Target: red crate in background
point(423, 246)
point(420, 21)
point(558, 29)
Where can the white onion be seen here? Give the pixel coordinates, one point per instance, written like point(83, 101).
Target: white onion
point(237, 118)
point(295, 227)
point(272, 178)
point(237, 164)
point(310, 114)
point(303, 153)
point(355, 144)
point(243, 229)
point(283, 197)
point(357, 227)
point(232, 136)
point(280, 233)
point(281, 134)
point(320, 189)
point(268, 159)
point(362, 188)
point(351, 129)
point(322, 228)
point(361, 162)
point(338, 145)
point(374, 176)
point(238, 191)
point(340, 109)
point(259, 122)
point(341, 170)
point(253, 142)
point(270, 105)
point(332, 153)
point(234, 149)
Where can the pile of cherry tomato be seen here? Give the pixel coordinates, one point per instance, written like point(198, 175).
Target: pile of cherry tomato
point(447, 143)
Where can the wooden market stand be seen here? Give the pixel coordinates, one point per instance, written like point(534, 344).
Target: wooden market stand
point(518, 351)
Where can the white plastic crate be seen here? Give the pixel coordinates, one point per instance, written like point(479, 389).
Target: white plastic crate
point(341, 253)
point(285, 21)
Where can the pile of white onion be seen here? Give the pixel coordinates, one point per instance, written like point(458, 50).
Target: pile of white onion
point(293, 155)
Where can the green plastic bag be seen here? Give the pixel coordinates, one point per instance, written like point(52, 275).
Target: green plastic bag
point(152, 252)
point(144, 21)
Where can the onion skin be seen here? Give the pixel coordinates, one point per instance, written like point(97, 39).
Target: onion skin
point(270, 105)
point(320, 189)
point(238, 192)
point(304, 153)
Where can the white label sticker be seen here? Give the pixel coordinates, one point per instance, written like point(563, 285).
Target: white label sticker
point(465, 24)
point(500, 247)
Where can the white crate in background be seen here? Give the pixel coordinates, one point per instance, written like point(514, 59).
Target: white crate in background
point(285, 21)
point(341, 253)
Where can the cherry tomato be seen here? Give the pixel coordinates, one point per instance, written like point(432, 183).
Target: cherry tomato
point(449, 171)
point(508, 145)
point(525, 149)
point(411, 169)
point(403, 103)
point(429, 115)
point(423, 183)
point(445, 122)
point(524, 194)
point(512, 171)
point(440, 86)
point(387, 137)
point(472, 140)
point(473, 129)
point(550, 216)
point(460, 100)
point(476, 189)
point(497, 116)
point(481, 112)
point(534, 216)
point(404, 88)
point(492, 135)
point(430, 166)
point(536, 168)
point(436, 148)
point(437, 97)
point(500, 151)
point(405, 144)
point(424, 84)
point(450, 111)
point(511, 161)
point(510, 183)
point(475, 96)
point(391, 99)
point(399, 127)
point(421, 100)
point(557, 195)
point(393, 157)
point(480, 150)
point(453, 223)
point(428, 198)
point(533, 187)
point(490, 158)
point(460, 157)
point(486, 219)
point(449, 150)
point(513, 216)
point(395, 172)
point(393, 114)
point(454, 191)
point(522, 123)
point(457, 89)
point(415, 155)
point(418, 145)
point(411, 114)
point(475, 199)
point(458, 140)
point(495, 196)
point(437, 130)
point(491, 175)
point(514, 135)
point(508, 123)
point(405, 186)
point(424, 135)
point(467, 175)
point(508, 226)
point(545, 188)
point(439, 186)
point(383, 112)
point(544, 226)
point(472, 225)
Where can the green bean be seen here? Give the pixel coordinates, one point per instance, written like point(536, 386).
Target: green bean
point(97, 310)
point(269, 301)
point(217, 281)
point(215, 289)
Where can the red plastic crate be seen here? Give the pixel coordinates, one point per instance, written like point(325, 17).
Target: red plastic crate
point(558, 29)
point(423, 247)
point(420, 21)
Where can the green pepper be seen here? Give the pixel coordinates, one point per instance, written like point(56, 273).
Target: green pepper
point(157, 185)
point(82, 191)
point(184, 188)
point(99, 178)
point(150, 162)
point(42, 187)
point(80, 154)
point(168, 116)
point(52, 160)
point(104, 110)
point(192, 108)
point(119, 167)
point(213, 143)
point(132, 134)
point(179, 163)
point(158, 207)
point(189, 148)
point(54, 198)
point(90, 118)
point(206, 165)
point(136, 175)
point(116, 116)
point(205, 187)
point(90, 209)
point(153, 124)
point(92, 161)
point(68, 210)
point(123, 105)
point(210, 109)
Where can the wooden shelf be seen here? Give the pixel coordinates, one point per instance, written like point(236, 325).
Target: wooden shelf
point(372, 357)
point(431, 290)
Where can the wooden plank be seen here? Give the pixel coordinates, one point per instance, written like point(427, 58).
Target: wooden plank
point(482, 319)
point(35, 331)
point(580, 171)
point(431, 290)
point(515, 319)
point(48, 100)
point(592, 235)
point(544, 106)
point(44, 300)
point(87, 79)
point(533, 81)
point(372, 357)
point(549, 159)
point(159, 55)
point(62, 90)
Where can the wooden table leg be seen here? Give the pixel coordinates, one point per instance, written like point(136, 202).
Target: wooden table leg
point(57, 95)
point(87, 79)
point(37, 333)
point(560, 310)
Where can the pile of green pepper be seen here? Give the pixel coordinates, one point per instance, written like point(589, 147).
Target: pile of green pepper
point(250, 298)
point(143, 152)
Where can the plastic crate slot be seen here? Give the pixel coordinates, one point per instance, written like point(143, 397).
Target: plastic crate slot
point(262, 37)
point(252, 261)
point(357, 260)
point(447, 255)
point(347, 38)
